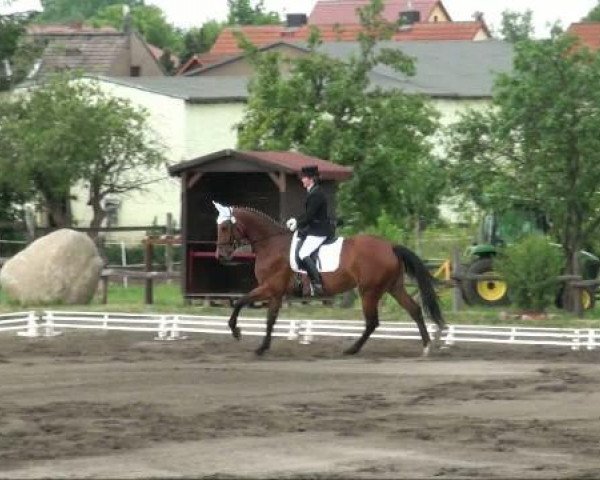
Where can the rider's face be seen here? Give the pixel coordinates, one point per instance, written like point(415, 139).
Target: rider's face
point(307, 182)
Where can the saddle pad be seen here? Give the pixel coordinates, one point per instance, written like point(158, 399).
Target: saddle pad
point(329, 255)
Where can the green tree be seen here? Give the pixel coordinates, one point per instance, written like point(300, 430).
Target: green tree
point(517, 26)
point(16, 56)
point(69, 133)
point(149, 20)
point(538, 142)
point(200, 40)
point(594, 14)
point(241, 12)
point(62, 11)
point(327, 108)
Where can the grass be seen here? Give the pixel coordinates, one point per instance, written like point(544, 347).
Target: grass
point(168, 299)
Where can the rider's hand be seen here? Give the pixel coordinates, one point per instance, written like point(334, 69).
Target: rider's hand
point(291, 224)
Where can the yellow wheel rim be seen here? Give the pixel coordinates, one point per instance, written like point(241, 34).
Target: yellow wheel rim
point(586, 300)
point(491, 290)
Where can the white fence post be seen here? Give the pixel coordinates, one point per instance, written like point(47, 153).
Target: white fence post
point(293, 331)
point(575, 345)
point(591, 341)
point(175, 333)
point(163, 330)
point(307, 336)
point(49, 325)
point(449, 336)
point(32, 329)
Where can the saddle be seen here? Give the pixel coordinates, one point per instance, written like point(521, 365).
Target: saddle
point(326, 257)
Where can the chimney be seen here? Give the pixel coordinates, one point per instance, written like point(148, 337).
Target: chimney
point(296, 20)
point(127, 21)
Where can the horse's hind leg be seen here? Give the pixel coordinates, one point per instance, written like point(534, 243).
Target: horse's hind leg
point(370, 301)
point(272, 313)
point(414, 310)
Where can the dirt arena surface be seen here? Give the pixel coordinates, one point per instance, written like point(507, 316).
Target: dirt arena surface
point(116, 405)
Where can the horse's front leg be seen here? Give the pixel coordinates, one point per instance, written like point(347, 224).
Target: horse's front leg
point(259, 293)
point(272, 313)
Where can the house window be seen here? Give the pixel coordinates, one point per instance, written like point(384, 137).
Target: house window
point(135, 71)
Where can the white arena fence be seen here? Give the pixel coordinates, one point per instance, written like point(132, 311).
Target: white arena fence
point(174, 327)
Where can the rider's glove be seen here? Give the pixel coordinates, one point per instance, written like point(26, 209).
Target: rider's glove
point(291, 224)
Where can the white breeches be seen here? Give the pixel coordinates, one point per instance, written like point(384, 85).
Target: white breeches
point(310, 245)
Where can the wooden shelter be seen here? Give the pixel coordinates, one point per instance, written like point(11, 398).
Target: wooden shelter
point(266, 181)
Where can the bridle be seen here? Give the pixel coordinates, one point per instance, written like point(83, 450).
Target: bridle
point(235, 243)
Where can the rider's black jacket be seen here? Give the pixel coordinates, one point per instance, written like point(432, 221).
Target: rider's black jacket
point(315, 220)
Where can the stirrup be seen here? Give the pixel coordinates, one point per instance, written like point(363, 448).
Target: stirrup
point(317, 290)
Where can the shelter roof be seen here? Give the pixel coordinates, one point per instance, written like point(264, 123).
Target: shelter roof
point(270, 161)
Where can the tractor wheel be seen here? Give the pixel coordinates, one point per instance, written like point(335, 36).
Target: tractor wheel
point(588, 298)
point(485, 292)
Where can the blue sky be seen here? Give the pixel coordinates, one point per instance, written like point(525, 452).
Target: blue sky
point(187, 13)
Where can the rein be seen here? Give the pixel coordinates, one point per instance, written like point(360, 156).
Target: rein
point(236, 243)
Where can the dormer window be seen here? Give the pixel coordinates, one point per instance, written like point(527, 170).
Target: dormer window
point(135, 71)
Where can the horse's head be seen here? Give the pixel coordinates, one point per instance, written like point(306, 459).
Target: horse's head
point(229, 236)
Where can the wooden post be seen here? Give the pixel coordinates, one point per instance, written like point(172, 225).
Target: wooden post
point(457, 298)
point(578, 300)
point(104, 289)
point(148, 254)
point(169, 246)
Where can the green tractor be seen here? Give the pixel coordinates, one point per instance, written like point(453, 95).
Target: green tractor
point(496, 231)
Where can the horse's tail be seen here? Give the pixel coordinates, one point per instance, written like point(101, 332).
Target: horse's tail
point(417, 269)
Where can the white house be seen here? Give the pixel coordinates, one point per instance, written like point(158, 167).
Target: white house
point(196, 115)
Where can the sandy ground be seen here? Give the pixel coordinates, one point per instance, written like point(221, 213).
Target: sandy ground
point(115, 405)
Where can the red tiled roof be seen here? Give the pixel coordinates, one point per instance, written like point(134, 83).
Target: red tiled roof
point(201, 60)
point(227, 44)
point(288, 162)
point(331, 12)
point(261, 36)
point(588, 33)
point(442, 31)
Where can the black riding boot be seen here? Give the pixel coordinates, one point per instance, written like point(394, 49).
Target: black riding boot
point(314, 275)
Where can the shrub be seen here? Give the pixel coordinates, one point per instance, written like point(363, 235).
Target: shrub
point(530, 267)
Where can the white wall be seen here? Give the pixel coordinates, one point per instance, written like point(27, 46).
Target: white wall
point(210, 127)
point(189, 130)
point(450, 110)
point(185, 131)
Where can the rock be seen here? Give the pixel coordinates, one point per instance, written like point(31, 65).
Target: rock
point(62, 267)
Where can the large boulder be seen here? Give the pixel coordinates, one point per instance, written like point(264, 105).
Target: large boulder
point(62, 267)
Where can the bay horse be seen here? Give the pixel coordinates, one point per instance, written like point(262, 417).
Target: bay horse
point(372, 264)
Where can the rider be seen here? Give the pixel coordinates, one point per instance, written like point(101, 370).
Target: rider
point(314, 225)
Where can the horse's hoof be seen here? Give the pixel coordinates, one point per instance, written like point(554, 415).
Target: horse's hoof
point(237, 333)
point(426, 351)
point(260, 351)
point(350, 351)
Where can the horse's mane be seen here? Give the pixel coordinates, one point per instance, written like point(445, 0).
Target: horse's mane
point(262, 215)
